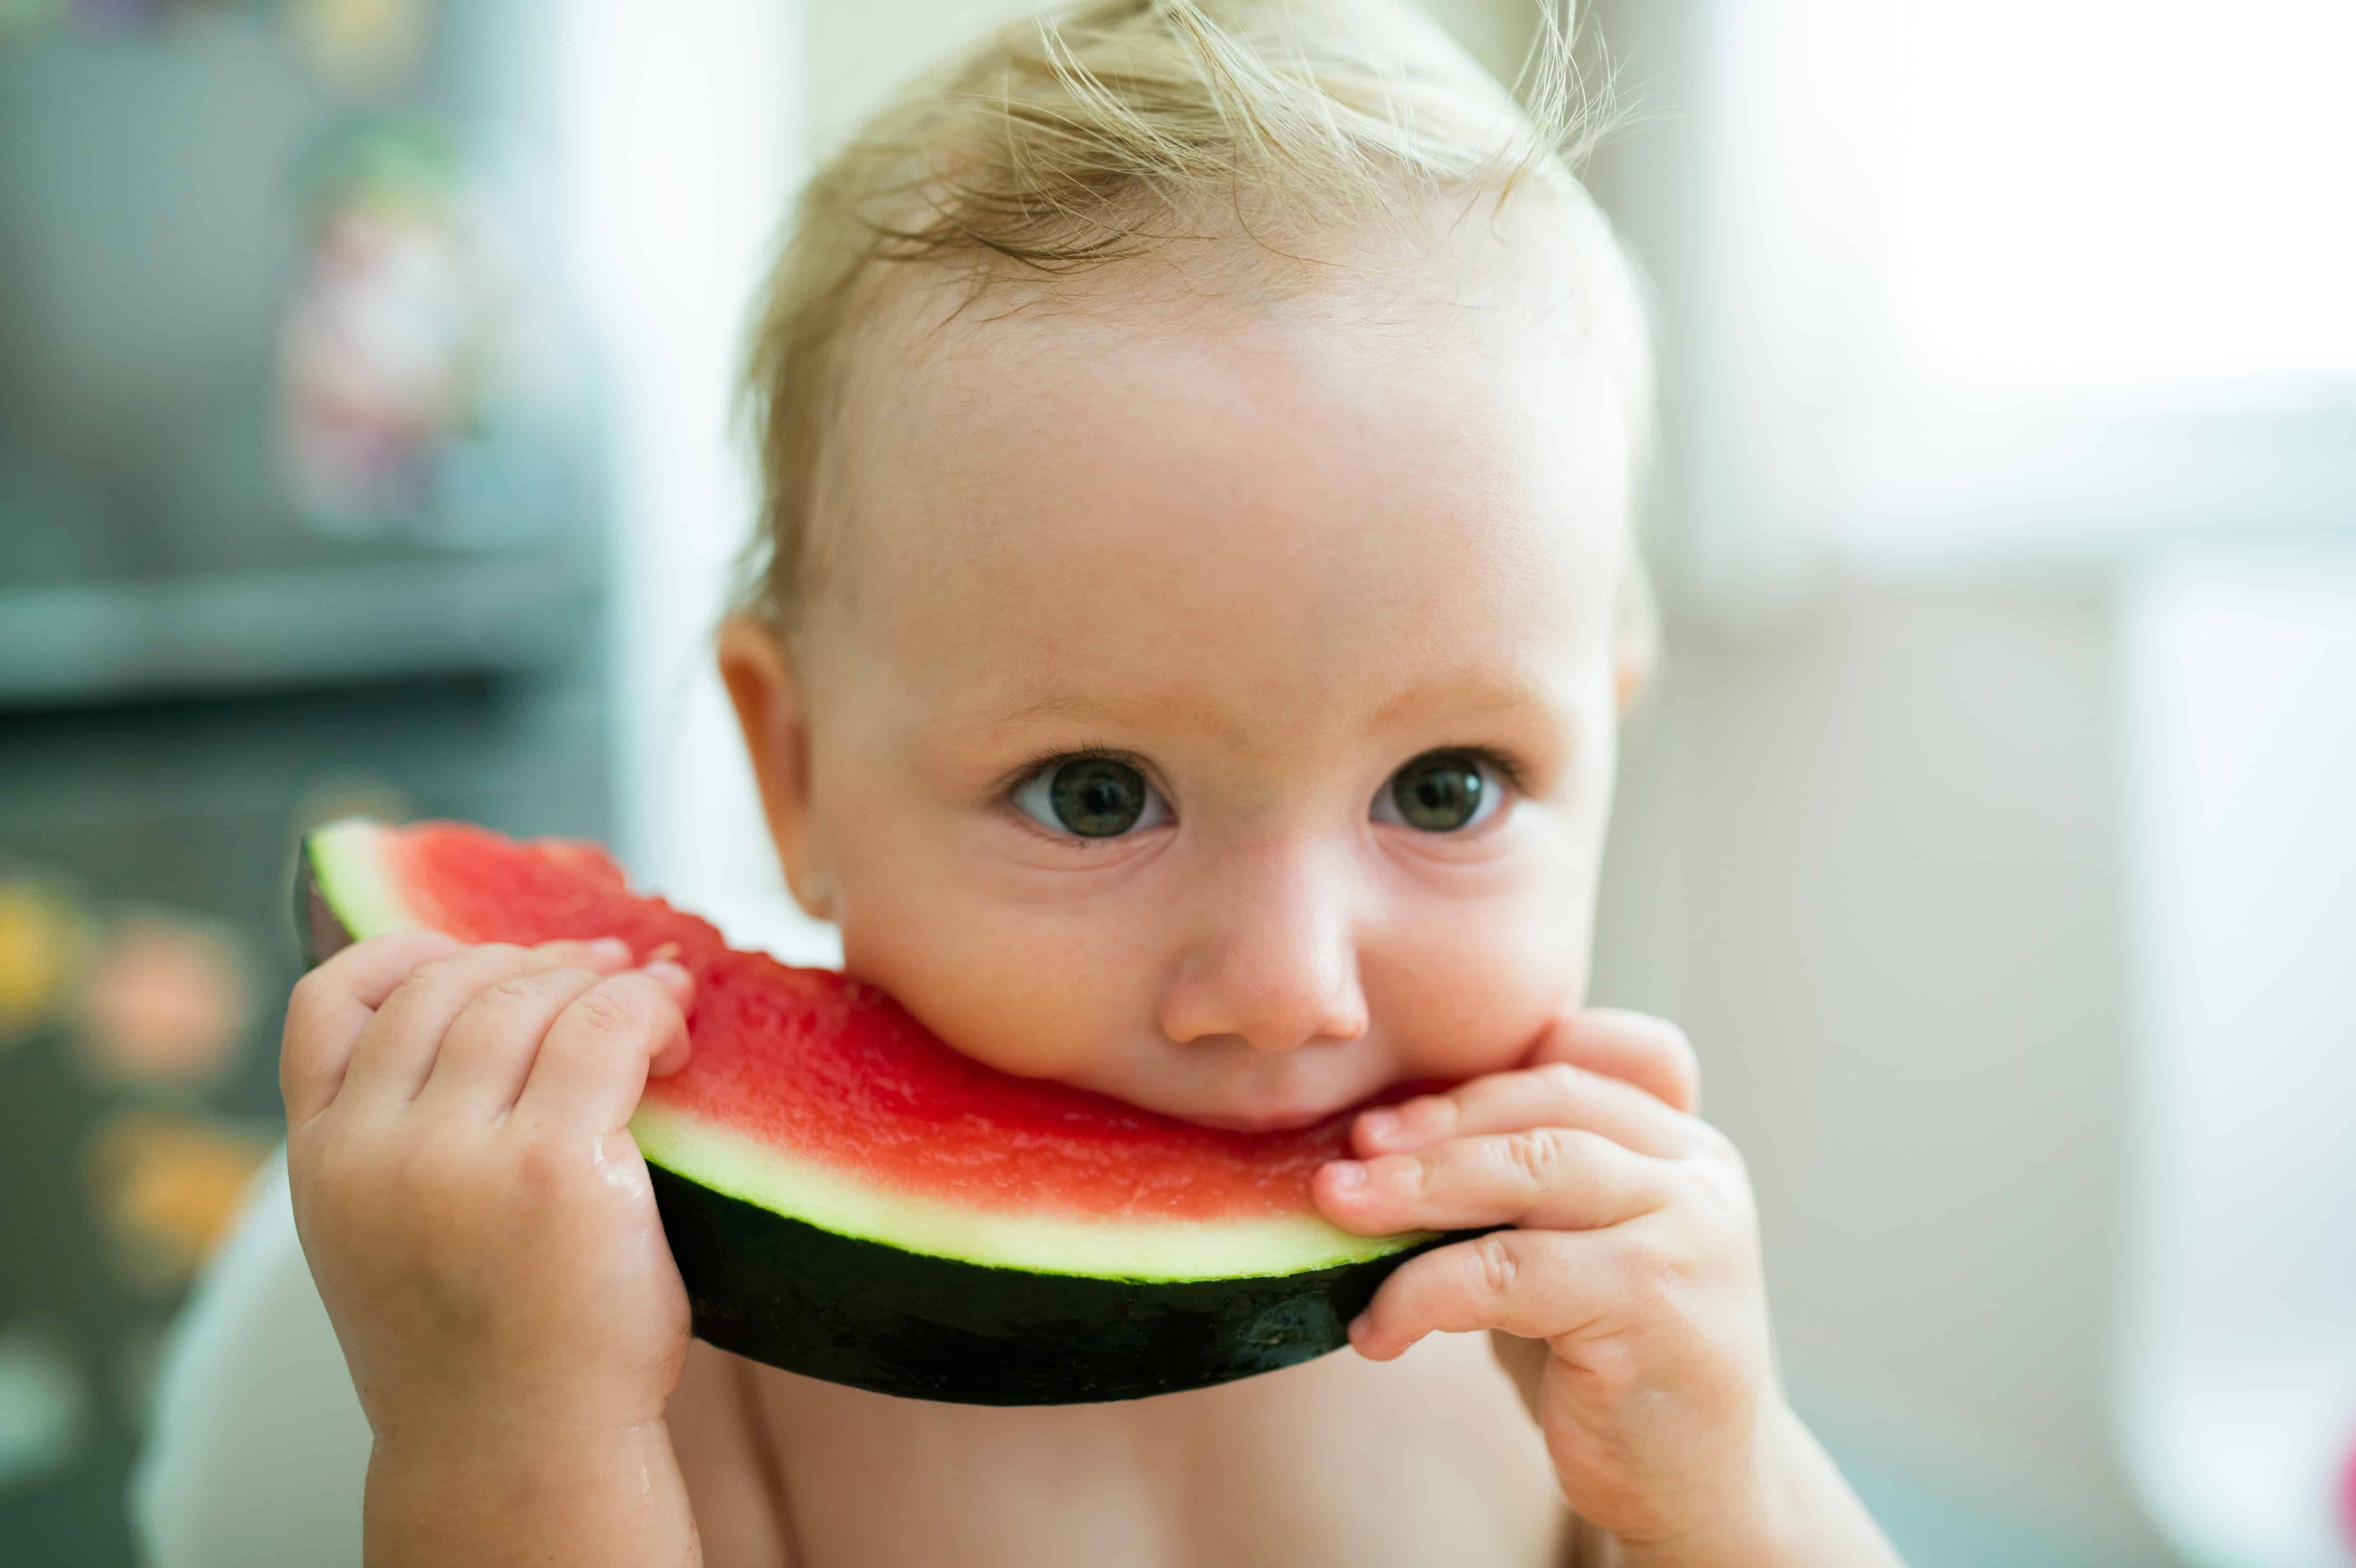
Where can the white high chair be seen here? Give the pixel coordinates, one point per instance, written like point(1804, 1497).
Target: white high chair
point(258, 1449)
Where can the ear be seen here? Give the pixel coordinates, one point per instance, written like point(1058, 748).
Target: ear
point(1635, 634)
point(758, 672)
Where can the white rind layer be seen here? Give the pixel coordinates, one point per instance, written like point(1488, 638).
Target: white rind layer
point(348, 864)
point(1043, 1242)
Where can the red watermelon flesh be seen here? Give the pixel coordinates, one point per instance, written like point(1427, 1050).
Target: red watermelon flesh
point(821, 1097)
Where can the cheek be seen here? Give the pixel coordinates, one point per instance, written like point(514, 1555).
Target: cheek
point(1467, 985)
point(1462, 997)
point(1030, 990)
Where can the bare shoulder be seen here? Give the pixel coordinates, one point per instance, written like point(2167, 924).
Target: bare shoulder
point(732, 1480)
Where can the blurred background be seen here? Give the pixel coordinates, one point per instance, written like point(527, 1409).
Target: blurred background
point(364, 446)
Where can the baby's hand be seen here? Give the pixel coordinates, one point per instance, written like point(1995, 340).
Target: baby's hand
point(1631, 1272)
point(477, 1216)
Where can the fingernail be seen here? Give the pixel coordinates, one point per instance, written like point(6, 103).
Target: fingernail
point(1380, 1126)
point(611, 948)
point(1348, 1174)
point(678, 979)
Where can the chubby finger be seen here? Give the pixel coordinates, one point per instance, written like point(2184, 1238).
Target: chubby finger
point(1565, 1178)
point(487, 1050)
point(396, 1051)
point(1636, 1048)
point(593, 1062)
point(1558, 1094)
point(1538, 1285)
point(332, 1004)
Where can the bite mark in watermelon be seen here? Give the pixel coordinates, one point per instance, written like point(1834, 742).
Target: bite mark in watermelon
point(848, 1198)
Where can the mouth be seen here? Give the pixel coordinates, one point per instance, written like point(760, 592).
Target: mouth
point(1253, 1093)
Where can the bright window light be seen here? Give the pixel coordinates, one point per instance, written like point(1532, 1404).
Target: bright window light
point(2126, 192)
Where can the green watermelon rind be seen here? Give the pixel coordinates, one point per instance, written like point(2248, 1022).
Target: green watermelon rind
point(929, 1299)
point(875, 1317)
point(344, 876)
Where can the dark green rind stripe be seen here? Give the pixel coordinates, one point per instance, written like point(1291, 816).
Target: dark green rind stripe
point(316, 927)
point(874, 1317)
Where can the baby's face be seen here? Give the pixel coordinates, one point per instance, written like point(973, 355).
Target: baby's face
point(1217, 706)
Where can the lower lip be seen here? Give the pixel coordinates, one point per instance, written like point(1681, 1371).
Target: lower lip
point(1265, 1121)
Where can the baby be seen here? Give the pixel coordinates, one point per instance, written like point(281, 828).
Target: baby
point(1194, 604)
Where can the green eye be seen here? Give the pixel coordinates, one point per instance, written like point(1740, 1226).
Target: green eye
point(1092, 797)
point(1440, 792)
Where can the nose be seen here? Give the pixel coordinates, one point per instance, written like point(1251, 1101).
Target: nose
point(1272, 957)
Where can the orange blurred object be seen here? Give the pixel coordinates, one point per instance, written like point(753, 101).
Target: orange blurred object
point(167, 1187)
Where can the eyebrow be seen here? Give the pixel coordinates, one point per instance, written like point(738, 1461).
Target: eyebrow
point(1471, 698)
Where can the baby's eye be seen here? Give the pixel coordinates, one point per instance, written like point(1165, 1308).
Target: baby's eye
point(1441, 792)
point(1093, 797)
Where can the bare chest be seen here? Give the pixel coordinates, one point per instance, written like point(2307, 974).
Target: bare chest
point(1428, 1460)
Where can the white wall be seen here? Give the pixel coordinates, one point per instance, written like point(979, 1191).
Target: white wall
point(1869, 857)
point(685, 124)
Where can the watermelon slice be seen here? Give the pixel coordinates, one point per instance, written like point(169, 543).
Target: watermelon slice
point(848, 1198)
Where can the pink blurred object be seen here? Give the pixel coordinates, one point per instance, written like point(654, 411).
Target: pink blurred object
point(374, 353)
point(2348, 1497)
point(166, 1000)
point(392, 336)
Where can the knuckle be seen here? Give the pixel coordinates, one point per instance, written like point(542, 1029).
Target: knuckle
point(543, 1164)
point(615, 1006)
point(1718, 1149)
point(411, 1173)
point(312, 992)
point(436, 973)
point(1723, 1188)
point(514, 988)
point(1534, 1155)
point(1652, 1271)
point(1614, 1368)
point(1494, 1268)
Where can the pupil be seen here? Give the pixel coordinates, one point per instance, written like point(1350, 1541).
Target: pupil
point(1096, 797)
point(1439, 794)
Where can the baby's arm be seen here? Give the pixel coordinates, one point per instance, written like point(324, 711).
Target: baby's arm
point(1627, 1288)
point(485, 1238)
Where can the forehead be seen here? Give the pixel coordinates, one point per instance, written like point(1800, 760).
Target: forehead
point(1266, 508)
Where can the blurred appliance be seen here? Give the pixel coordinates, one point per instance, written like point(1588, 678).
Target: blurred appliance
point(288, 392)
point(303, 508)
point(2236, 1402)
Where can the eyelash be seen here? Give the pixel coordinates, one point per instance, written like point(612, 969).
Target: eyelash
point(1507, 765)
point(1014, 781)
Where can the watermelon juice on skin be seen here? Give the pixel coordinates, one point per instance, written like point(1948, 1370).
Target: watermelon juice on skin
point(848, 1198)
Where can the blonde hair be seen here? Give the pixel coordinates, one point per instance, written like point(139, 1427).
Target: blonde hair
point(1095, 133)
